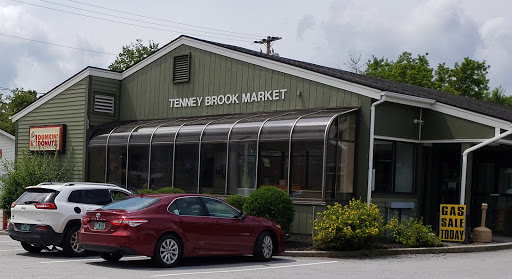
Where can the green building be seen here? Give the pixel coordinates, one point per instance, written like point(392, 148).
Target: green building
point(213, 118)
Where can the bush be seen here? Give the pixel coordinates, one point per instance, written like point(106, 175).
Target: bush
point(273, 204)
point(412, 233)
point(166, 190)
point(30, 169)
point(236, 201)
point(350, 227)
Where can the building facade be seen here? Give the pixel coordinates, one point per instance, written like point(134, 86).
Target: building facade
point(213, 118)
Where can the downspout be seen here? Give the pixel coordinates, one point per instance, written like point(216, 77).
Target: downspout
point(370, 155)
point(465, 161)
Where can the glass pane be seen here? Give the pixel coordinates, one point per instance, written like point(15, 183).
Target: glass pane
point(116, 172)
point(96, 163)
point(118, 138)
point(135, 203)
point(141, 136)
point(347, 124)
point(213, 168)
point(97, 197)
point(247, 129)
point(161, 166)
point(310, 128)
point(138, 166)
point(189, 206)
point(99, 140)
point(219, 209)
point(404, 173)
point(345, 167)
point(383, 166)
point(306, 170)
point(273, 164)
point(217, 132)
point(186, 167)
point(242, 167)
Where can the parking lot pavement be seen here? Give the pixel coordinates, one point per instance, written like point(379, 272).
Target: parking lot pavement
point(15, 262)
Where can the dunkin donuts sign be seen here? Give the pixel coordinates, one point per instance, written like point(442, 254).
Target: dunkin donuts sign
point(46, 138)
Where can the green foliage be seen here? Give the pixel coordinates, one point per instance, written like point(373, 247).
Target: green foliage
point(30, 169)
point(166, 190)
point(273, 204)
point(237, 201)
point(469, 78)
point(412, 233)
point(12, 104)
point(350, 227)
point(132, 54)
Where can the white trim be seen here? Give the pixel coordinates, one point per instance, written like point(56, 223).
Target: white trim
point(430, 141)
point(409, 100)
point(504, 141)
point(7, 135)
point(472, 116)
point(57, 90)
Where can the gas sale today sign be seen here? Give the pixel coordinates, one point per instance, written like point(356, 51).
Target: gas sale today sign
point(452, 222)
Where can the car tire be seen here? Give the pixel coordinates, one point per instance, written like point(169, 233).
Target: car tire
point(168, 251)
point(111, 257)
point(70, 245)
point(31, 248)
point(263, 247)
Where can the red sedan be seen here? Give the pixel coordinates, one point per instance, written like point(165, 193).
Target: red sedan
point(168, 227)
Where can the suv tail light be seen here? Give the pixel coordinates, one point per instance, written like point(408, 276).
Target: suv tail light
point(13, 205)
point(128, 222)
point(45, 206)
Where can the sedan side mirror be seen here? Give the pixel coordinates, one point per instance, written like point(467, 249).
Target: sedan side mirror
point(242, 216)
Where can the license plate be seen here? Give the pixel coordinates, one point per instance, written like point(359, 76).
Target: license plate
point(99, 225)
point(25, 227)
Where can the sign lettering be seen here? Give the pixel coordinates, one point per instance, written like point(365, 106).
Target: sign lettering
point(452, 222)
point(260, 96)
point(46, 138)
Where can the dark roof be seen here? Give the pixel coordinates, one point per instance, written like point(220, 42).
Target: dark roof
point(470, 104)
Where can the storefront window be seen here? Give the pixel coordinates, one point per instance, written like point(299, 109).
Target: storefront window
point(138, 165)
point(273, 164)
point(213, 168)
point(242, 167)
point(96, 164)
point(185, 174)
point(394, 167)
point(161, 166)
point(306, 169)
point(116, 171)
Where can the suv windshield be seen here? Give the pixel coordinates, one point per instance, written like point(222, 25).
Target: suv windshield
point(37, 195)
point(135, 203)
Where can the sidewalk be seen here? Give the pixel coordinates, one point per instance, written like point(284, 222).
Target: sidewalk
point(499, 243)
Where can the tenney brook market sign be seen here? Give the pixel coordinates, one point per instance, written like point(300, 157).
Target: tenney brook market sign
point(261, 96)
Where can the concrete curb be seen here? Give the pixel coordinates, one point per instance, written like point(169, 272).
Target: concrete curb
point(4, 232)
point(400, 251)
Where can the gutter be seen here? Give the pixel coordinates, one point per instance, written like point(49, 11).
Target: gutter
point(370, 154)
point(465, 161)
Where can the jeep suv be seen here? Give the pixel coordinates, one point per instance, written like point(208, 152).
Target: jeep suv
point(49, 213)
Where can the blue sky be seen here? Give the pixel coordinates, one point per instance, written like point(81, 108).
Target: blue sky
point(322, 32)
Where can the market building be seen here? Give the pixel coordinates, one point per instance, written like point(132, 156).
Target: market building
point(218, 119)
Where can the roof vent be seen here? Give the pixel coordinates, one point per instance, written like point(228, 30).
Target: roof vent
point(104, 104)
point(181, 68)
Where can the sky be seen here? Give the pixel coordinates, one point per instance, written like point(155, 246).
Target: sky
point(45, 42)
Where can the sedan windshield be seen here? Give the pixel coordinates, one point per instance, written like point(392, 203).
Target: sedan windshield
point(134, 203)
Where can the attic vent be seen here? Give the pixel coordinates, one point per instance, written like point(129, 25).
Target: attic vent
point(181, 68)
point(104, 104)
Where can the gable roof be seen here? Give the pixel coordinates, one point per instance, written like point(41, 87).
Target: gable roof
point(7, 135)
point(485, 112)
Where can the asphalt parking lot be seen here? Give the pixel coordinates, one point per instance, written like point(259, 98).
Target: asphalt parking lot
point(15, 263)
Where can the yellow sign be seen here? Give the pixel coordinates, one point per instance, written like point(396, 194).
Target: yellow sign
point(452, 222)
point(46, 138)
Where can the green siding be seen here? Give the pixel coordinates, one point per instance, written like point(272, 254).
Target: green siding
point(68, 108)
point(439, 126)
point(304, 216)
point(396, 120)
point(382, 201)
point(107, 87)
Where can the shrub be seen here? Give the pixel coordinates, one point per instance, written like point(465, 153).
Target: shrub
point(144, 191)
point(350, 227)
point(412, 233)
point(169, 190)
point(273, 204)
point(237, 201)
point(30, 169)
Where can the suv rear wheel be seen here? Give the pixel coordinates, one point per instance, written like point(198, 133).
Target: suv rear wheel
point(70, 245)
point(31, 248)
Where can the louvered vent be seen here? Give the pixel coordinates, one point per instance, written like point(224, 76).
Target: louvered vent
point(181, 68)
point(104, 104)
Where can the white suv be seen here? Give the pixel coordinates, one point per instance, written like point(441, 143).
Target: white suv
point(49, 213)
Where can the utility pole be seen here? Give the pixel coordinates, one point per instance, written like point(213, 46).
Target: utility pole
point(268, 41)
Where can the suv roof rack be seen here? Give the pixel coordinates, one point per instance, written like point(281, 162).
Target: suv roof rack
point(50, 183)
point(89, 183)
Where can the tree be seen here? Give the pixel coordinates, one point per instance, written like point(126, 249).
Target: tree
point(406, 69)
point(12, 104)
point(468, 78)
point(132, 54)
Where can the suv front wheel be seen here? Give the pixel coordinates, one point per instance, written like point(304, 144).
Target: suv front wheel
point(70, 245)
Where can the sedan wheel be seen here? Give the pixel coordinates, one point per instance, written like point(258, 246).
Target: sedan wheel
point(263, 247)
point(167, 252)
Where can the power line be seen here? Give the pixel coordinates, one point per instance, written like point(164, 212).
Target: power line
point(148, 22)
point(52, 44)
point(164, 20)
point(126, 23)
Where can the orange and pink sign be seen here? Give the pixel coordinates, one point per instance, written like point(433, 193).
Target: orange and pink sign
point(46, 138)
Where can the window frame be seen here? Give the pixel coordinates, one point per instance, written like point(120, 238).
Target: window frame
point(393, 168)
